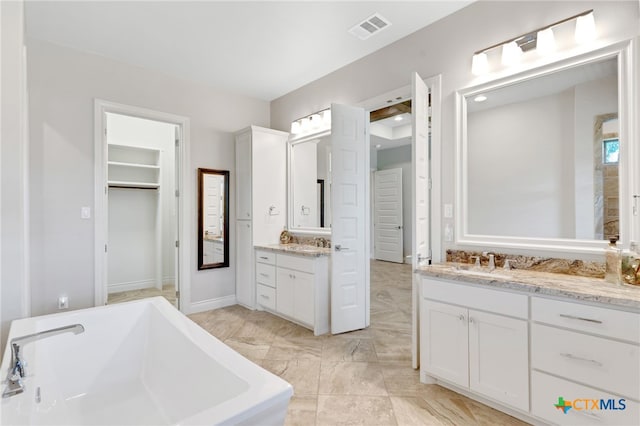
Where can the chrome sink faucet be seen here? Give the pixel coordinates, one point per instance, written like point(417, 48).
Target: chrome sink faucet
point(15, 384)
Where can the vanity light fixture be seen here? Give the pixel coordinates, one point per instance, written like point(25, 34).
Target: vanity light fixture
point(541, 39)
point(313, 123)
point(480, 98)
point(398, 118)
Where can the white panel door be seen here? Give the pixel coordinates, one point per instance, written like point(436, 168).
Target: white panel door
point(420, 246)
point(446, 349)
point(499, 358)
point(388, 215)
point(350, 227)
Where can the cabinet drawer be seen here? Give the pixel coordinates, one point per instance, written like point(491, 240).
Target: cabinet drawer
point(496, 301)
point(592, 319)
point(299, 263)
point(266, 274)
point(267, 297)
point(545, 391)
point(603, 363)
point(265, 257)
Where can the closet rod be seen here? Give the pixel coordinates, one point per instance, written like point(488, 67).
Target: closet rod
point(132, 187)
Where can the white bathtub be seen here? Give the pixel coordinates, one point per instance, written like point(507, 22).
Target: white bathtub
point(137, 363)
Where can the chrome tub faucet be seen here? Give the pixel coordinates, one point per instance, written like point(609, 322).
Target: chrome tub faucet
point(15, 384)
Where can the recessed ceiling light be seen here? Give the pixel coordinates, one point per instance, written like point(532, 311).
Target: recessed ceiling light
point(480, 98)
point(398, 118)
point(378, 146)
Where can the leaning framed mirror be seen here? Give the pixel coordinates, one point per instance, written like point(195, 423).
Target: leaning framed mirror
point(544, 158)
point(213, 218)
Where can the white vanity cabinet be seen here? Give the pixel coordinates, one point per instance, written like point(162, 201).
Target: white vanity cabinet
point(261, 196)
point(294, 287)
point(476, 339)
point(521, 351)
point(585, 352)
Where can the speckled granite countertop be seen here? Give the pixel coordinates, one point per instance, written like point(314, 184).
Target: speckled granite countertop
point(297, 249)
point(543, 283)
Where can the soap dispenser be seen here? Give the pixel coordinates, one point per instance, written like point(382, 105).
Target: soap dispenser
point(613, 262)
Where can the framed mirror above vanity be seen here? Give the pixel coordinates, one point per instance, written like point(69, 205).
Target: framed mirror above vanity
point(545, 158)
point(213, 218)
point(309, 180)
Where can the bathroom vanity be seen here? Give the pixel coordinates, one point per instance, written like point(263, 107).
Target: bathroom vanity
point(292, 281)
point(519, 340)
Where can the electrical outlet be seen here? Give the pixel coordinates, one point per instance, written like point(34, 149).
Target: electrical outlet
point(63, 302)
point(448, 211)
point(85, 213)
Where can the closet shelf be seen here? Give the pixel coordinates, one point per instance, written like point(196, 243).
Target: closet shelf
point(129, 184)
point(133, 165)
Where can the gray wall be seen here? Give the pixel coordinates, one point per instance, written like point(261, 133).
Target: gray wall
point(14, 228)
point(400, 158)
point(63, 84)
point(446, 47)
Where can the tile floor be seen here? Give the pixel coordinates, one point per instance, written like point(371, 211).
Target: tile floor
point(168, 291)
point(358, 378)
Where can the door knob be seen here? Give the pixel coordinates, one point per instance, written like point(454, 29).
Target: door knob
point(399, 227)
point(340, 248)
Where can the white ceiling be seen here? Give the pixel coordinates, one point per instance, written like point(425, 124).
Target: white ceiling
point(261, 49)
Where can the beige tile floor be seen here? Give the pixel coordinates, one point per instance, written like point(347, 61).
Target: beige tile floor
point(358, 378)
point(168, 291)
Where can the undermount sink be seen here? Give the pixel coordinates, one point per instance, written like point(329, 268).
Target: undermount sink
point(467, 270)
point(305, 249)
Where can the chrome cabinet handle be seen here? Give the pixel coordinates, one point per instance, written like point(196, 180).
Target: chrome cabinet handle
point(264, 296)
point(580, 318)
point(471, 320)
point(338, 247)
point(264, 257)
point(461, 317)
point(264, 275)
point(577, 358)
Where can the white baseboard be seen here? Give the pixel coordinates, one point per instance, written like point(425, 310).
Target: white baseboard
point(408, 259)
point(131, 285)
point(210, 304)
point(168, 280)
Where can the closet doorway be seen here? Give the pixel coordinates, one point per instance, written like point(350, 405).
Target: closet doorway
point(138, 219)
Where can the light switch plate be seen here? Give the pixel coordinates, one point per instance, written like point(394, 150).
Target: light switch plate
point(448, 211)
point(85, 213)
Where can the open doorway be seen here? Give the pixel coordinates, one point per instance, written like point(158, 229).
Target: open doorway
point(391, 132)
point(140, 207)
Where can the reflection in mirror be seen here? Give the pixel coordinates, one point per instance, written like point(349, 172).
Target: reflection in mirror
point(310, 183)
point(536, 156)
point(213, 218)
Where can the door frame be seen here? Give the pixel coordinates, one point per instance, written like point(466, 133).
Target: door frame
point(400, 95)
point(101, 107)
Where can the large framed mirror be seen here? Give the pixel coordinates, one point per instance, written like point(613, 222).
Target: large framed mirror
point(310, 184)
point(543, 157)
point(213, 218)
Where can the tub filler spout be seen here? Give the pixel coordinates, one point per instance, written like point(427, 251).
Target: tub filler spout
point(15, 384)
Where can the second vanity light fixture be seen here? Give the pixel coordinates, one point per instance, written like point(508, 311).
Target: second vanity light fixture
point(542, 40)
point(313, 123)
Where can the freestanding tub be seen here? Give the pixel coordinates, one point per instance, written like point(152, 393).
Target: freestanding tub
point(137, 363)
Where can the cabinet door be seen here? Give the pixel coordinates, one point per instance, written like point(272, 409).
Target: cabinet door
point(285, 287)
point(445, 347)
point(243, 176)
point(498, 358)
point(245, 280)
point(303, 300)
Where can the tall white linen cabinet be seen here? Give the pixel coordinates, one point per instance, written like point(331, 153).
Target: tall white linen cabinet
point(261, 200)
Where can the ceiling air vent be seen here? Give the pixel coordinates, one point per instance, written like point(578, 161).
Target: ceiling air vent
point(370, 26)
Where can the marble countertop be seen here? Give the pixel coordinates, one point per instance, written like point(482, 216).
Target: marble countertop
point(586, 289)
point(297, 249)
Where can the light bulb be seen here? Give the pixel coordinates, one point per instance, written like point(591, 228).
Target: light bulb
point(585, 28)
point(295, 127)
point(546, 42)
point(479, 64)
point(511, 53)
